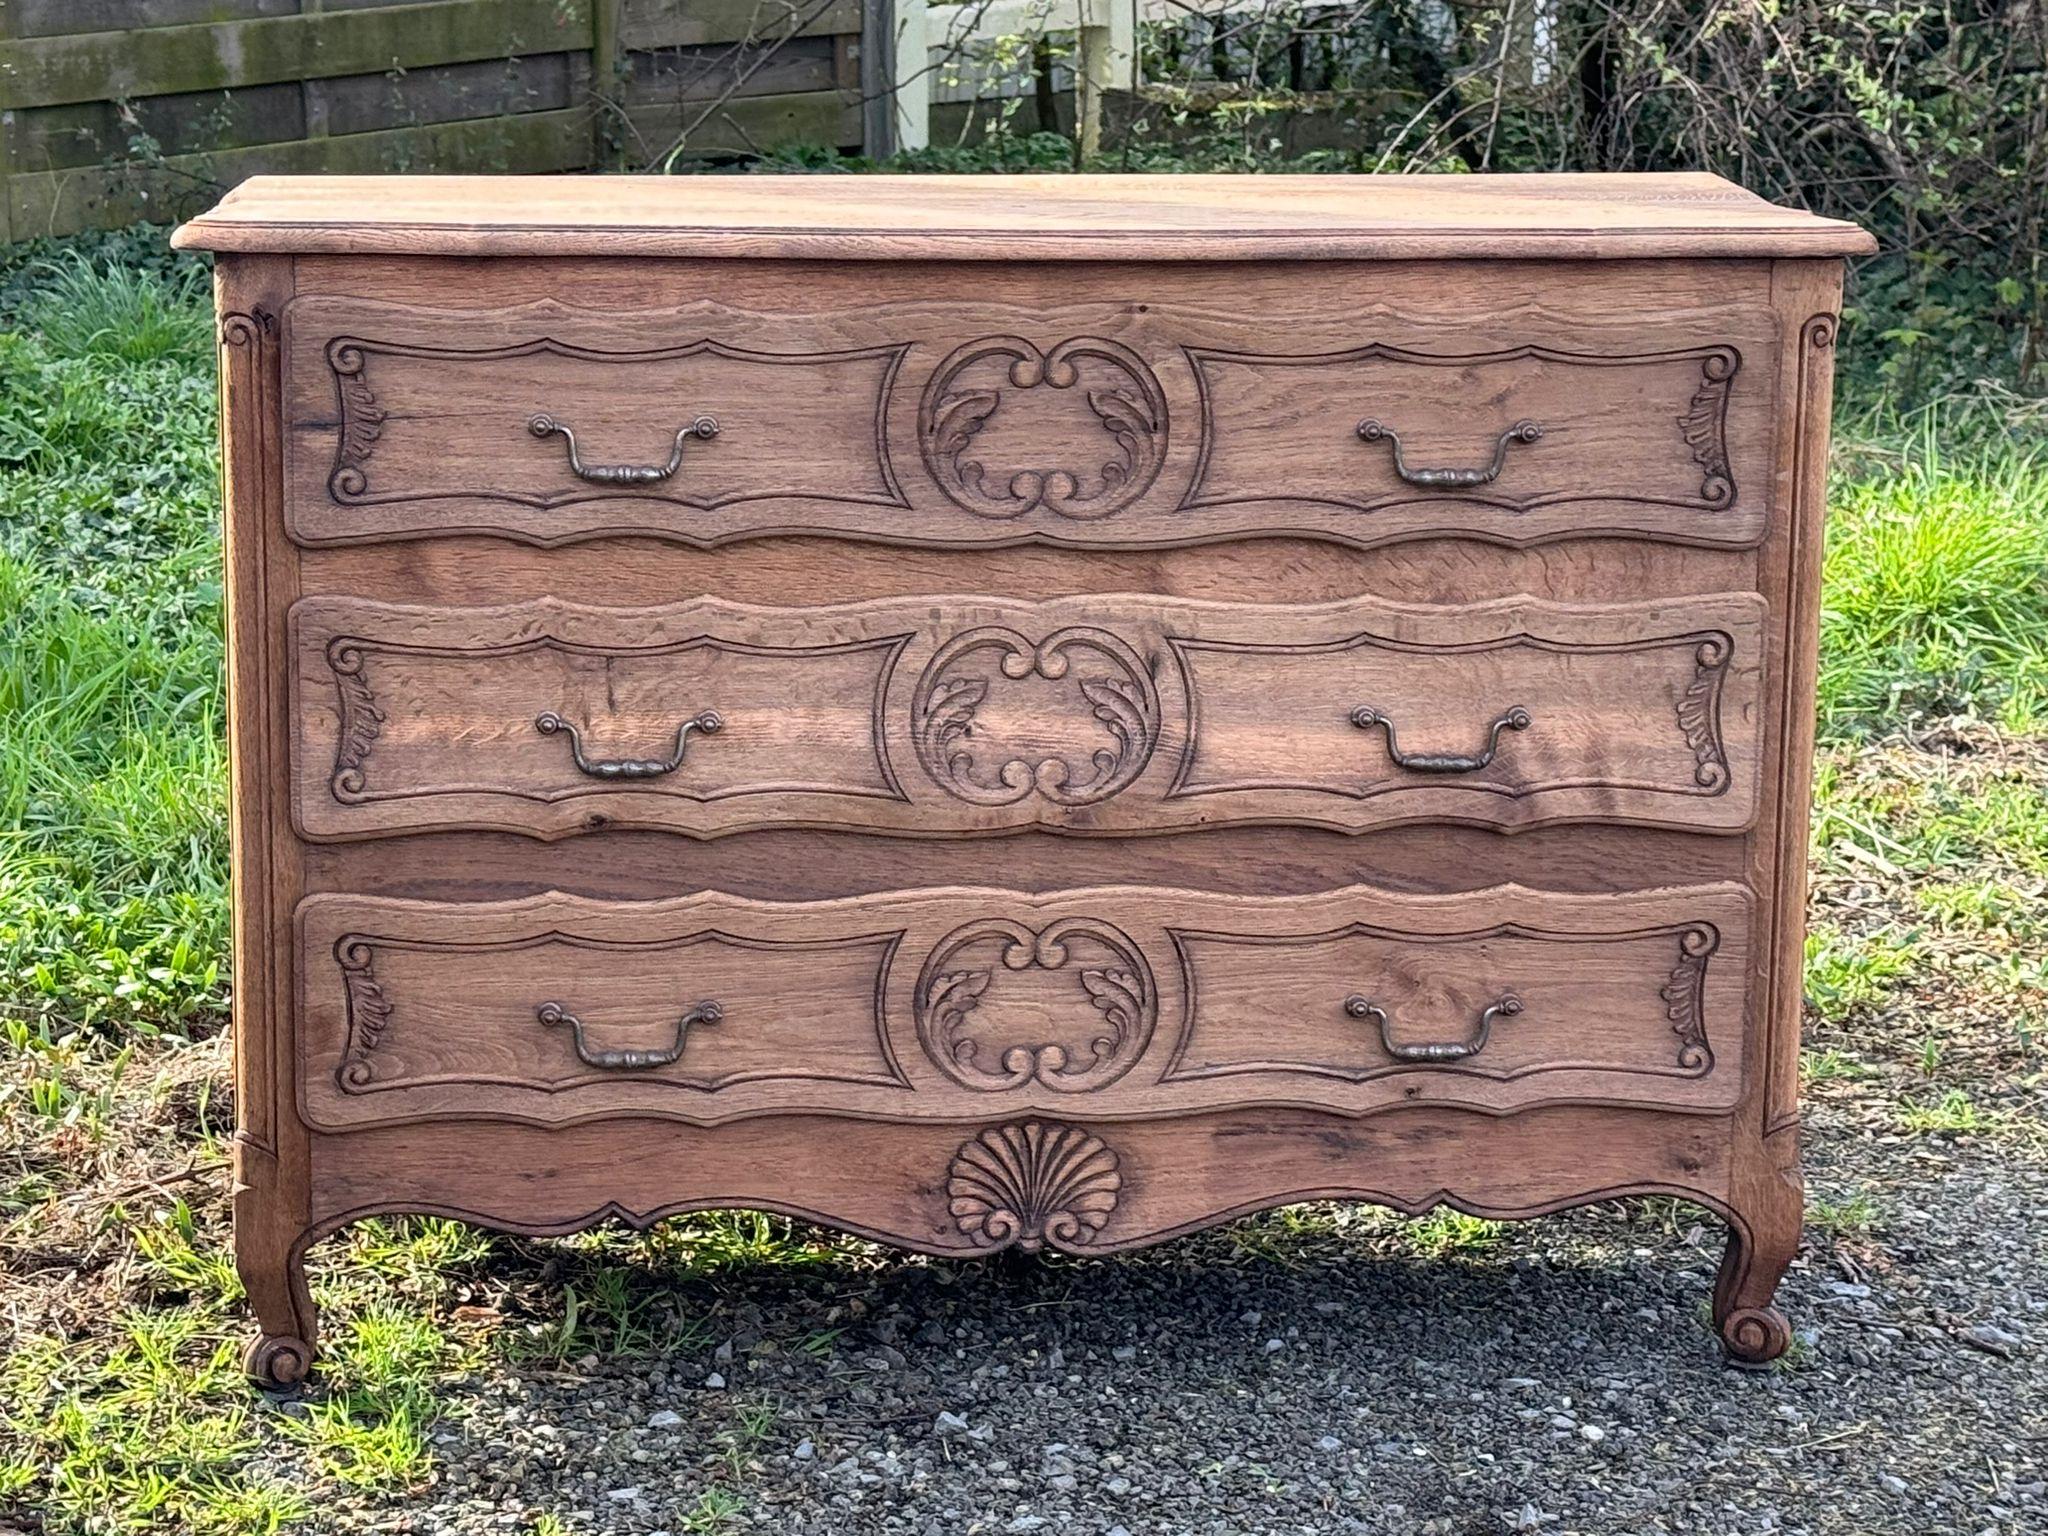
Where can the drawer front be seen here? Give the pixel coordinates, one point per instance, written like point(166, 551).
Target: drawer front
point(957, 1003)
point(957, 715)
point(954, 422)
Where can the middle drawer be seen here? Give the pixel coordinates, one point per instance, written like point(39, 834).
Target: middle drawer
point(963, 715)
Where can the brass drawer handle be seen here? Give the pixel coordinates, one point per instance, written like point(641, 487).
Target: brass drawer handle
point(710, 723)
point(1451, 479)
point(1360, 1007)
point(706, 1012)
point(544, 425)
point(1365, 717)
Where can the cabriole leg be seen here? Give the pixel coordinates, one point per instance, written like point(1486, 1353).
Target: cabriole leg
point(1763, 1239)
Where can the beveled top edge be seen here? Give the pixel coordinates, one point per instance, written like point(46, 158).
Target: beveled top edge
point(1009, 218)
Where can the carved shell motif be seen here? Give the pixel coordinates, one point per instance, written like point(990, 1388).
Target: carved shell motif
point(971, 387)
point(1033, 1184)
point(959, 679)
point(1100, 1017)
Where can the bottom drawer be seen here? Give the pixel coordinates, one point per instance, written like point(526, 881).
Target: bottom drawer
point(960, 1003)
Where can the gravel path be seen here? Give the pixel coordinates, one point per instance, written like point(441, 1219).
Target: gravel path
point(1286, 1375)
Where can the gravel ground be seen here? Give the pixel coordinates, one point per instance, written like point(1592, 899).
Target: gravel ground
point(1561, 1379)
point(1325, 1369)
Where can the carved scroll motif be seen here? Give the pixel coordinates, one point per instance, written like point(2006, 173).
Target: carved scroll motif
point(361, 719)
point(1699, 712)
point(961, 677)
point(1033, 1184)
point(971, 387)
point(369, 1010)
point(1705, 426)
point(1108, 1015)
point(362, 420)
point(1685, 997)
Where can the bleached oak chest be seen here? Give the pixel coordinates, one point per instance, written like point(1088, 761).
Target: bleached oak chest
point(1028, 711)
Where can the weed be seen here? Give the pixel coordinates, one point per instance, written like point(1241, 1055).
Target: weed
point(1953, 1114)
point(1445, 1232)
point(1854, 1215)
point(1850, 973)
point(1833, 1066)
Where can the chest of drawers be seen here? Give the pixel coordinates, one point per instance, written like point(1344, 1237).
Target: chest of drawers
point(1025, 712)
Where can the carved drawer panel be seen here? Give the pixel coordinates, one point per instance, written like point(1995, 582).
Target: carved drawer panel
point(953, 421)
point(957, 1003)
point(557, 426)
point(1521, 431)
point(956, 715)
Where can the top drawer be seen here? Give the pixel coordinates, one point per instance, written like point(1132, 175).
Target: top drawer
point(954, 422)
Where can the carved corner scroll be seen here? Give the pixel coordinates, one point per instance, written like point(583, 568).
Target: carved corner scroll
point(971, 388)
point(1705, 425)
point(368, 1010)
point(361, 719)
point(1685, 996)
point(362, 420)
point(1699, 712)
point(1109, 1014)
point(1120, 697)
point(1033, 1184)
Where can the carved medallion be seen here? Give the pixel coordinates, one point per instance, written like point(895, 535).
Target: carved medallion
point(1115, 692)
point(1033, 1184)
point(971, 418)
point(1069, 1006)
point(1685, 996)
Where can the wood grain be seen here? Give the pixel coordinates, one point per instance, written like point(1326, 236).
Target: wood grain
point(1020, 218)
point(949, 715)
point(941, 1003)
point(979, 549)
point(951, 420)
point(889, 1181)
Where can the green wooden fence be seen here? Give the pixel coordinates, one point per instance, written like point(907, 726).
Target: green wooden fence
point(113, 111)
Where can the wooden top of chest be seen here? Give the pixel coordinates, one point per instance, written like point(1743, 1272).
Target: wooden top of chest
point(1009, 218)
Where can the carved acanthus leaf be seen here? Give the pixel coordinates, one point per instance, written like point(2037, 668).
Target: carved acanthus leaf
point(1685, 997)
point(1705, 425)
point(1699, 712)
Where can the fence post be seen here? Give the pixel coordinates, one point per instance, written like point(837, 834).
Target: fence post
point(906, 52)
point(604, 77)
point(1106, 50)
point(6, 114)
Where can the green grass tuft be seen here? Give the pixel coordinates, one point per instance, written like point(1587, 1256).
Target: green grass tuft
point(1936, 599)
point(121, 313)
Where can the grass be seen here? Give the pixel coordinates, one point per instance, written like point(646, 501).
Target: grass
point(1953, 1114)
point(1937, 587)
point(122, 1407)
